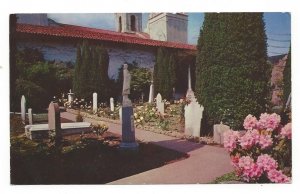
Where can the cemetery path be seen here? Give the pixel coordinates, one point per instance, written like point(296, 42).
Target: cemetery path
point(204, 164)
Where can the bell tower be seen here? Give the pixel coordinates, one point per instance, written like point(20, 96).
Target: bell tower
point(128, 22)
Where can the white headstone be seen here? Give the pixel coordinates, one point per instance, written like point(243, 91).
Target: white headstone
point(95, 102)
point(112, 105)
point(190, 94)
point(151, 94)
point(30, 116)
point(159, 104)
point(219, 130)
point(23, 108)
point(193, 116)
point(120, 114)
point(70, 96)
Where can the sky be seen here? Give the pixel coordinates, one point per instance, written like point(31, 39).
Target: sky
point(278, 26)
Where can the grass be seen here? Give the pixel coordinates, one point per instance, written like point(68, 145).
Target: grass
point(225, 178)
point(87, 159)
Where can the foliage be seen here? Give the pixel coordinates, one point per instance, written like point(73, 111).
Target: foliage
point(263, 153)
point(225, 178)
point(164, 77)
point(79, 117)
point(287, 78)
point(140, 81)
point(99, 129)
point(91, 71)
point(33, 76)
point(232, 73)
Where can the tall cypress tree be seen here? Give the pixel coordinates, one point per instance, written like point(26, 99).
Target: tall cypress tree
point(164, 73)
point(287, 78)
point(232, 72)
point(103, 72)
point(78, 64)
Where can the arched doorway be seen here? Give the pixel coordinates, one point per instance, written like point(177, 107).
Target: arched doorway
point(132, 23)
point(120, 24)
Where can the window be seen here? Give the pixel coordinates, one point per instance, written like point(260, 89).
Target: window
point(120, 24)
point(132, 22)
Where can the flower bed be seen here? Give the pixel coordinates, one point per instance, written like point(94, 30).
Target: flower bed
point(263, 153)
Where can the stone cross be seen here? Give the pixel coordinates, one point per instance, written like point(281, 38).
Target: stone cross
point(126, 86)
point(54, 121)
point(219, 130)
point(95, 102)
point(193, 116)
point(128, 130)
point(112, 105)
point(189, 94)
point(151, 93)
point(70, 96)
point(159, 104)
point(30, 116)
point(23, 108)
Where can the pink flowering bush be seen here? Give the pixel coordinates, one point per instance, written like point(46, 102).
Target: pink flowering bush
point(263, 153)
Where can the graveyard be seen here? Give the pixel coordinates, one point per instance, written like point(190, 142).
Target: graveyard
point(196, 114)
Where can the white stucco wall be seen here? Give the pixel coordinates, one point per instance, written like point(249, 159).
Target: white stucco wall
point(117, 55)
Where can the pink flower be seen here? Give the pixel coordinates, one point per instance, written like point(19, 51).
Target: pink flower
point(276, 176)
point(266, 162)
point(235, 161)
point(230, 139)
point(286, 131)
point(250, 138)
point(269, 121)
point(249, 170)
point(265, 141)
point(250, 122)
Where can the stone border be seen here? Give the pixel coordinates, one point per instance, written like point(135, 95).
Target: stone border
point(91, 116)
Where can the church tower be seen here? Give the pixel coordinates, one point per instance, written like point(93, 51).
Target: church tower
point(128, 22)
point(168, 27)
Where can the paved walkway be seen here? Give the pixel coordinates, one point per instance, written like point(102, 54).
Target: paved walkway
point(203, 166)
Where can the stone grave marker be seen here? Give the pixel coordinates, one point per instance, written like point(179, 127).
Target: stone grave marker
point(30, 116)
point(112, 105)
point(95, 102)
point(54, 121)
point(23, 108)
point(128, 130)
point(219, 130)
point(70, 96)
point(159, 104)
point(151, 93)
point(193, 116)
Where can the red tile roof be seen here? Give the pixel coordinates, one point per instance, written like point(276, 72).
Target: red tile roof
point(99, 34)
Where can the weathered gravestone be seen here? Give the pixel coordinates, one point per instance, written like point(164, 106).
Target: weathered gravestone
point(219, 130)
point(70, 96)
point(159, 104)
point(30, 116)
point(193, 115)
point(54, 122)
point(128, 131)
point(112, 105)
point(95, 102)
point(190, 94)
point(151, 93)
point(23, 108)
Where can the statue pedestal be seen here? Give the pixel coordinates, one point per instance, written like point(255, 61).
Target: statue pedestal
point(128, 130)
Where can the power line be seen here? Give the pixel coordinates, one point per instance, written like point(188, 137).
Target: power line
point(278, 46)
point(279, 34)
point(277, 53)
point(278, 40)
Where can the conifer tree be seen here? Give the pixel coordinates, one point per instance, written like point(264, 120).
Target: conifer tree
point(164, 77)
point(78, 64)
point(287, 78)
point(232, 72)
